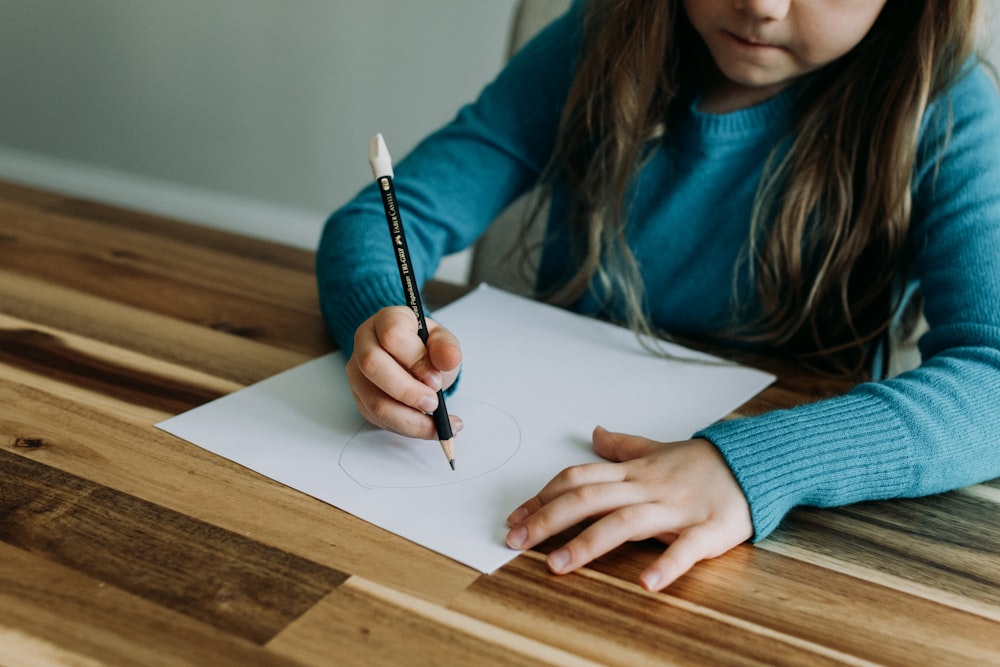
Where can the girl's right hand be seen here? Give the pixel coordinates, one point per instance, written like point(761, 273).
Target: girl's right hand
point(395, 378)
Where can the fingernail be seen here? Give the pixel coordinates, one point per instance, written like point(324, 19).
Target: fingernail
point(457, 424)
point(651, 581)
point(517, 516)
point(558, 560)
point(517, 537)
point(433, 380)
point(428, 404)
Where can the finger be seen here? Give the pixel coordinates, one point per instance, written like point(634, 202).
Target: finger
point(571, 508)
point(578, 476)
point(523, 511)
point(397, 332)
point(443, 348)
point(385, 412)
point(695, 544)
point(383, 370)
point(572, 477)
point(621, 447)
point(627, 524)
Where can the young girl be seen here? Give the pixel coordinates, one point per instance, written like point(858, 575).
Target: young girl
point(793, 176)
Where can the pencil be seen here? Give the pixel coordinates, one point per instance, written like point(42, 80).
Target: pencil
point(381, 164)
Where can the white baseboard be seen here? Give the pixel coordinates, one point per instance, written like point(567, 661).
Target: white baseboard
point(244, 215)
point(295, 227)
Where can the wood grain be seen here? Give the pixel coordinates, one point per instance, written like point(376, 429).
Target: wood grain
point(364, 623)
point(115, 443)
point(55, 615)
point(216, 576)
point(35, 351)
point(129, 273)
point(123, 545)
point(824, 607)
point(614, 622)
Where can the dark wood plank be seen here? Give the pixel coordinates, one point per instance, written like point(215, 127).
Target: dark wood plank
point(116, 445)
point(44, 353)
point(53, 615)
point(216, 576)
point(948, 544)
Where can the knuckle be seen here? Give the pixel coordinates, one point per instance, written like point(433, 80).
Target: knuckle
point(394, 338)
point(573, 475)
point(585, 546)
point(585, 494)
point(411, 397)
point(381, 413)
point(539, 526)
point(630, 515)
point(368, 361)
point(697, 545)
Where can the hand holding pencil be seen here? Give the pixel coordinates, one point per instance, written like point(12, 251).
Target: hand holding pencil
point(395, 378)
point(403, 361)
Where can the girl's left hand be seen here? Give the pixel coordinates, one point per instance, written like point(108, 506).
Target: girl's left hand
point(682, 493)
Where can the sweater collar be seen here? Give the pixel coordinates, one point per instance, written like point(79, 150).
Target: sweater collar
point(773, 115)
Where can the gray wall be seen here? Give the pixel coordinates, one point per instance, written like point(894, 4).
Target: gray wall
point(251, 114)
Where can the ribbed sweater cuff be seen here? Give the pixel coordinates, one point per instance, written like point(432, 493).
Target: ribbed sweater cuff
point(822, 454)
point(344, 310)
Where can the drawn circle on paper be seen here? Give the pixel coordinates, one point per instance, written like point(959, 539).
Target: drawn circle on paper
point(490, 437)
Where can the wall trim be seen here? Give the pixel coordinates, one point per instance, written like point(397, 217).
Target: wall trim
point(244, 215)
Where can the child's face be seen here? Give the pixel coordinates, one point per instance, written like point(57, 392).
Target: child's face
point(760, 46)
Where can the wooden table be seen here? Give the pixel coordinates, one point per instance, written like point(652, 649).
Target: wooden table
point(123, 545)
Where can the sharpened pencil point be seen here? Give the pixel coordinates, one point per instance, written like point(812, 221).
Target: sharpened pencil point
point(449, 451)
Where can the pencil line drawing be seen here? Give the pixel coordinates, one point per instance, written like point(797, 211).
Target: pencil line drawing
point(377, 459)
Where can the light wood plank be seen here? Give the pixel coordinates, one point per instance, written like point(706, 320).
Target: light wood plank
point(131, 245)
point(192, 295)
point(364, 623)
point(222, 354)
point(823, 606)
point(617, 623)
point(19, 649)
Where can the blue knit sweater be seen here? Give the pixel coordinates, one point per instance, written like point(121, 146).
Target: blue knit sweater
point(928, 430)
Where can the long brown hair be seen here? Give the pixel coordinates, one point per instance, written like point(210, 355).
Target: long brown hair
point(832, 214)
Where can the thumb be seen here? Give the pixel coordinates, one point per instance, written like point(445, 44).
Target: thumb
point(443, 348)
point(620, 446)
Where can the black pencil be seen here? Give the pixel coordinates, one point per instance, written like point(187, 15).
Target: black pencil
point(381, 164)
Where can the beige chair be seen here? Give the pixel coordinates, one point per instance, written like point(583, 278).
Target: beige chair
point(492, 259)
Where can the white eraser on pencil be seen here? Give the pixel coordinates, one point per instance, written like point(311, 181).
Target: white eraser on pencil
point(379, 158)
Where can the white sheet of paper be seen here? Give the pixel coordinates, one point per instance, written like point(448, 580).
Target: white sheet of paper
point(535, 381)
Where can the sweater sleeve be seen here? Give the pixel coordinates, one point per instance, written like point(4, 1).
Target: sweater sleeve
point(937, 427)
point(452, 185)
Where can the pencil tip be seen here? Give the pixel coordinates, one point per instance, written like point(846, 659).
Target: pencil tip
point(449, 451)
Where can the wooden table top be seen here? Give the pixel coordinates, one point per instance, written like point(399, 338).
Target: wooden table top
point(123, 545)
